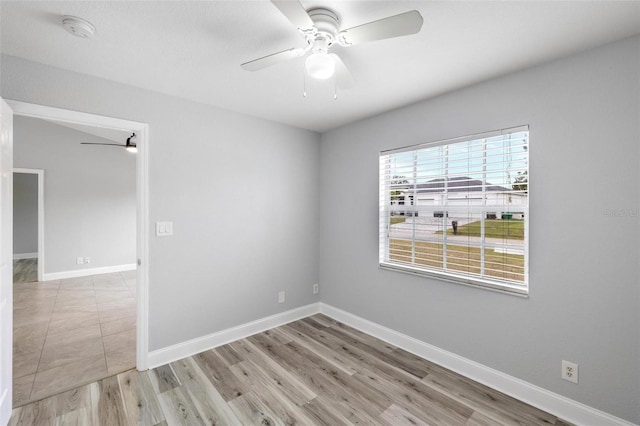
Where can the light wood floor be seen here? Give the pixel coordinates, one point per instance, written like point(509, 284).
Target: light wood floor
point(25, 270)
point(70, 332)
point(313, 371)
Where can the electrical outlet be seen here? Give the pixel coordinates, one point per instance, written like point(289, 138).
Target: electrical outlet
point(316, 288)
point(87, 260)
point(569, 371)
point(79, 260)
point(281, 297)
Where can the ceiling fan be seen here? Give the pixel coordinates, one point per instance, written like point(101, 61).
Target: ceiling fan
point(130, 145)
point(321, 29)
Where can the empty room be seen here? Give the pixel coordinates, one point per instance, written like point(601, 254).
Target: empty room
point(320, 213)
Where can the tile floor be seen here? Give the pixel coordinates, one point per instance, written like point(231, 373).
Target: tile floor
point(71, 332)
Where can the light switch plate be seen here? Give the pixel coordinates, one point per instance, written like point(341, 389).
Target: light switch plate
point(164, 229)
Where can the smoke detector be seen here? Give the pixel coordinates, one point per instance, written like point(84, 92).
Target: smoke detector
point(78, 27)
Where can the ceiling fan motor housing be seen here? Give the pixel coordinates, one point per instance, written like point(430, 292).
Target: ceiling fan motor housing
point(326, 23)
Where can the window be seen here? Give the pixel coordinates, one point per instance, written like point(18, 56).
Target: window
point(458, 210)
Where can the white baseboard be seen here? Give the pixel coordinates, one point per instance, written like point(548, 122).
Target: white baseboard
point(87, 272)
point(20, 256)
point(191, 347)
point(558, 405)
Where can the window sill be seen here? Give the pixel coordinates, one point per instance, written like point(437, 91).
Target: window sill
point(514, 290)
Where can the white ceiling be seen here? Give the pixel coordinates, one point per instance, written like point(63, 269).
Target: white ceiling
point(193, 49)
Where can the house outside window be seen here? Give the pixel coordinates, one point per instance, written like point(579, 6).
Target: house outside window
point(458, 210)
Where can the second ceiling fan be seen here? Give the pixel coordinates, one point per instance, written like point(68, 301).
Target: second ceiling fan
point(321, 29)
point(130, 145)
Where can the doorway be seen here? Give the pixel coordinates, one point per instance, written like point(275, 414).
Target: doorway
point(28, 225)
point(135, 280)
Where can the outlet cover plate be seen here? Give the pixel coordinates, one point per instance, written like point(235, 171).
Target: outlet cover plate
point(569, 371)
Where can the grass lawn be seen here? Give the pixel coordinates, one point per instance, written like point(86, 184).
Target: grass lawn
point(494, 228)
point(397, 219)
point(459, 258)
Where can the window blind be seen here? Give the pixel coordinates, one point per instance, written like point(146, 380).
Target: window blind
point(458, 209)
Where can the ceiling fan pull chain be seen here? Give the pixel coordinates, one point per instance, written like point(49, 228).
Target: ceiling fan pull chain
point(304, 84)
point(335, 86)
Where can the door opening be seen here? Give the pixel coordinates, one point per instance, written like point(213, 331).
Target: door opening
point(138, 277)
point(28, 225)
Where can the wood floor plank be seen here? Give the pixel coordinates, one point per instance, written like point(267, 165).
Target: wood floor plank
point(398, 416)
point(277, 399)
point(256, 378)
point(324, 320)
point(479, 419)
point(560, 422)
point(330, 355)
point(251, 411)
point(263, 368)
point(72, 400)
point(79, 417)
point(140, 400)
point(278, 336)
point(323, 379)
point(25, 270)
point(381, 350)
point(179, 409)
point(111, 410)
point(94, 389)
point(323, 413)
point(229, 354)
point(210, 404)
point(360, 360)
point(223, 379)
point(313, 323)
point(163, 378)
point(346, 410)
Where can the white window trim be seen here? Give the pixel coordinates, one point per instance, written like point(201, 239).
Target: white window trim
point(448, 276)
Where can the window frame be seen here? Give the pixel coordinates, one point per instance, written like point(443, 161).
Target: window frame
point(385, 209)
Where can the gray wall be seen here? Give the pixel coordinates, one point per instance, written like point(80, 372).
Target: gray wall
point(242, 194)
point(25, 213)
point(584, 302)
point(90, 195)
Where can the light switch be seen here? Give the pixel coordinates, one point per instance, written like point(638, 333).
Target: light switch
point(164, 229)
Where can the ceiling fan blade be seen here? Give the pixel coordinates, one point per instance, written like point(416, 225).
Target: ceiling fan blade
point(97, 143)
point(295, 13)
point(267, 61)
point(344, 76)
point(394, 26)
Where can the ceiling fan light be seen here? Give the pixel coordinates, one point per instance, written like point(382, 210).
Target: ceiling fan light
point(132, 148)
point(320, 65)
